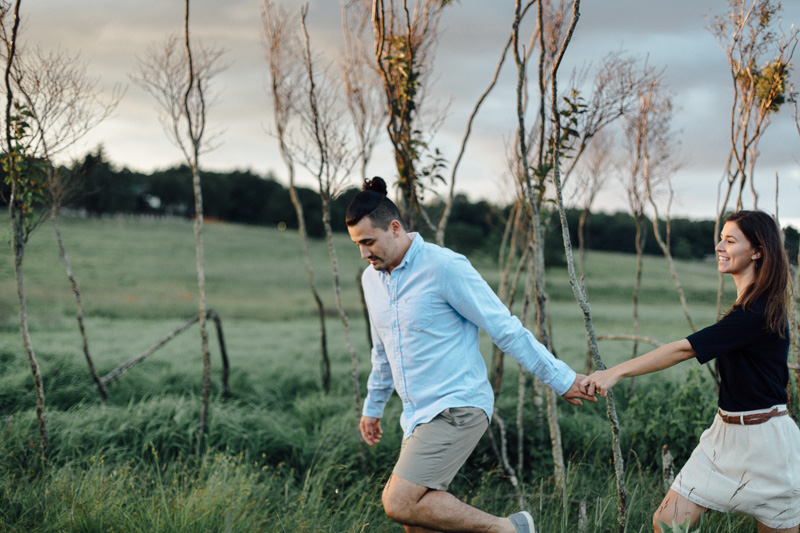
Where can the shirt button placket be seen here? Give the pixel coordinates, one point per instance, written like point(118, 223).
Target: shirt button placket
point(398, 352)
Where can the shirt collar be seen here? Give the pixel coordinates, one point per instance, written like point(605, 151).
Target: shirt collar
point(416, 245)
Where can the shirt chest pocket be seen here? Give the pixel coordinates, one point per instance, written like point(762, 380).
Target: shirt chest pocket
point(415, 311)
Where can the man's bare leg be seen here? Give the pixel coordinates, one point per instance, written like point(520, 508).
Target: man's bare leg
point(676, 508)
point(421, 510)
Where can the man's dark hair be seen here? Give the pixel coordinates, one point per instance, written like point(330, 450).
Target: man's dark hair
point(372, 202)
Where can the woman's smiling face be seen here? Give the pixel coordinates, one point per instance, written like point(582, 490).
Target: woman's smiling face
point(735, 254)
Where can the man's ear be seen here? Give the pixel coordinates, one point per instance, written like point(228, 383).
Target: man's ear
point(396, 227)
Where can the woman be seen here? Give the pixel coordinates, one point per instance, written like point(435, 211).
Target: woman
point(748, 461)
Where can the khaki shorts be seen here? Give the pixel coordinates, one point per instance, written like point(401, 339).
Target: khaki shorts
point(435, 451)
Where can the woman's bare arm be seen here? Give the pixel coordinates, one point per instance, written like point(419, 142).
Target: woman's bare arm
point(662, 357)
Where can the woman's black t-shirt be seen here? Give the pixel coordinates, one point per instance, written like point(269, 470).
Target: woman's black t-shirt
point(751, 360)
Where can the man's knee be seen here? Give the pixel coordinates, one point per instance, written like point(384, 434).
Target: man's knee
point(399, 498)
point(393, 503)
point(390, 506)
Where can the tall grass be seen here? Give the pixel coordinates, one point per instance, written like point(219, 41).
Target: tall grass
point(282, 456)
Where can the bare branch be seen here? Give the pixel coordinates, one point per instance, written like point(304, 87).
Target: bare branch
point(162, 73)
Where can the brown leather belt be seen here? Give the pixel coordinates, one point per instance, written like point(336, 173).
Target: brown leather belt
point(750, 420)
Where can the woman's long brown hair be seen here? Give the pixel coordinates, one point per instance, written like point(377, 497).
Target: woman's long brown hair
point(772, 268)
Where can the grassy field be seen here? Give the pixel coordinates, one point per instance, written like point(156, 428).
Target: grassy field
point(283, 456)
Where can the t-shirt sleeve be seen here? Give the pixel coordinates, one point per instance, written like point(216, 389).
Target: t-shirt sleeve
point(739, 328)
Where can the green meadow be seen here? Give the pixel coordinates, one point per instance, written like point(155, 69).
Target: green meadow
point(281, 455)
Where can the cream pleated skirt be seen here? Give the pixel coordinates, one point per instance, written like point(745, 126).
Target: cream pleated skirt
point(747, 469)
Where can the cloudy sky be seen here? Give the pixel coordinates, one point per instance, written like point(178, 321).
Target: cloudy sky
point(109, 35)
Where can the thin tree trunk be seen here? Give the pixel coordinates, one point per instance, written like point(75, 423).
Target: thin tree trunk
point(326, 219)
point(559, 465)
point(78, 303)
point(201, 291)
point(665, 248)
point(582, 239)
point(534, 202)
point(640, 242)
point(505, 261)
point(19, 238)
point(195, 132)
point(18, 247)
point(226, 392)
point(795, 332)
point(364, 309)
point(648, 340)
point(668, 256)
point(529, 289)
point(577, 288)
point(121, 369)
point(717, 230)
point(325, 363)
point(503, 455)
point(282, 109)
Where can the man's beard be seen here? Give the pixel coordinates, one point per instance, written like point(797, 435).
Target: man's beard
point(379, 264)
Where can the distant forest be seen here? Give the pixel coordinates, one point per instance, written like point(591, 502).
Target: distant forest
point(100, 189)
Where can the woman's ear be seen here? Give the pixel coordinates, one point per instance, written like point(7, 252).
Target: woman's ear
point(756, 255)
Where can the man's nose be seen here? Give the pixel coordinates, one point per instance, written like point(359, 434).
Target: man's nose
point(364, 251)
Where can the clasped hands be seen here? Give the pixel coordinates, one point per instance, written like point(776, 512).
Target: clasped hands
point(599, 382)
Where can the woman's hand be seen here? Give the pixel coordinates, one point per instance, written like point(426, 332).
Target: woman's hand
point(601, 381)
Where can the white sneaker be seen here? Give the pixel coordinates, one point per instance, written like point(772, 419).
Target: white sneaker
point(523, 522)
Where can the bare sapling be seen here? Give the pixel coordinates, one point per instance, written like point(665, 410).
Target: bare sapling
point(405, 41)
point(759, 53)
point(794, 297)
point(65, 105)
point(25, 177)
point(593, 175)
point(550, 24)
point(284, 57)
point(363, 95)
point(507, 289)
point(361, 84)
point(577, 288)
point(179, 82)
point(617, 83)
point(635, 191)
point(329, 156)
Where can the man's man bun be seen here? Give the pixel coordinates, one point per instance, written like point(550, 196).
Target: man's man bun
point(376, 184)
point(372, 202)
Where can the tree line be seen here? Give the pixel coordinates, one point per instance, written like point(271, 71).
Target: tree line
point(99, 188)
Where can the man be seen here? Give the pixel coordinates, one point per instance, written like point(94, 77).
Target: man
point(426, 305)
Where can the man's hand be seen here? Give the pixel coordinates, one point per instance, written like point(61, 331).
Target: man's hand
point(601, 381)
point(370, 429)
point(578, 391)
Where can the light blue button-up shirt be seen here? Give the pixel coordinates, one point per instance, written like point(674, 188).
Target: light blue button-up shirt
point(425, 317)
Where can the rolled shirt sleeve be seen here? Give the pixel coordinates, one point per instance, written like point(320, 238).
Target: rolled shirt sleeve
point(471, 296)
